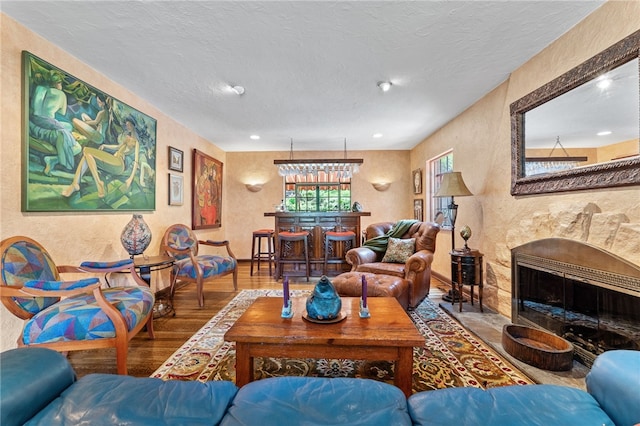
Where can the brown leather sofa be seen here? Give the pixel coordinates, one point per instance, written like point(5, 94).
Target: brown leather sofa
point(417, 269)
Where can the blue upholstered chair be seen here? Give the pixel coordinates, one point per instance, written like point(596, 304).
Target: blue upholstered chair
point(71, 315)
point(180, 243)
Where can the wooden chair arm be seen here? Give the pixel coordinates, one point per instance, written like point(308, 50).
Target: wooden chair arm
point(126, 265)
point(69, 269)
point(22, 291)
point(119, 323)
point(213, 243)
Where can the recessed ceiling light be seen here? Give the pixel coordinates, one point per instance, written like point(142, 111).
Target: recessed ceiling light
point(604, 133)
point(384, 85)
point(377, 135)
point(238, 89)
point(254, 137)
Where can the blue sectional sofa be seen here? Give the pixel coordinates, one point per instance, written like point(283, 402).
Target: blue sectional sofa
point(38, 387)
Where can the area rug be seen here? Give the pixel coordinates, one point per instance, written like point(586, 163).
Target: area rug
point(450, 357)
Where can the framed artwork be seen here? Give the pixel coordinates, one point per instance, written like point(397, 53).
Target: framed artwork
point(417, 181)
point(176, 190)
point(176, 159)
point(206, 191)
point(418, 210)
point(83, 150)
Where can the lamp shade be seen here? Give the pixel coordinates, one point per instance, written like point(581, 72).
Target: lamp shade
point(452, 185)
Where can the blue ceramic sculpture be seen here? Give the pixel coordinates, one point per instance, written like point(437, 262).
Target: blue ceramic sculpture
point(324, 303)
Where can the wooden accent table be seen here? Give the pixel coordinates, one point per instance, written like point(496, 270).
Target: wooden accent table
point(466, 269)
point(389, 334)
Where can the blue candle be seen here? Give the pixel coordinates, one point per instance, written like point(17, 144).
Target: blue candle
point(285, 288)
point(364, 291)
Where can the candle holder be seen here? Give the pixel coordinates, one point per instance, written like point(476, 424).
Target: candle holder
point(287, 312)
point(364, 310)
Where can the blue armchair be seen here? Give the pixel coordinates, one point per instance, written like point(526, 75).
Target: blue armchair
point(71, 315)
point(180, 243)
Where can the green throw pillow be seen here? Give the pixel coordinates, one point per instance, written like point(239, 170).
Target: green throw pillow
point(398, 251)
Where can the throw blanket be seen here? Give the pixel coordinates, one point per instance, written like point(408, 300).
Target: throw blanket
point(379, 243)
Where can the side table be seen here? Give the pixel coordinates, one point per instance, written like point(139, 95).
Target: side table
point(466, 269)
point(144, 265)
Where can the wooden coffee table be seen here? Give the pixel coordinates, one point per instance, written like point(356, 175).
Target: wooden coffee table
point(389, 334)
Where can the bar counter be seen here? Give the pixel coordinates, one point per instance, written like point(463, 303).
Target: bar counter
point(317, 224)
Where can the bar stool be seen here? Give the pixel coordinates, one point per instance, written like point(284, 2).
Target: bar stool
point(336, 236)
point(286, 236)
point(260, 255)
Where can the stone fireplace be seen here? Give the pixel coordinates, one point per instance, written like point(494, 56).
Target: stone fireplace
point(585, 294)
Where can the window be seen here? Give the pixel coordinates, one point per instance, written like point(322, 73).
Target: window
point(437, 166)
point(321, 192)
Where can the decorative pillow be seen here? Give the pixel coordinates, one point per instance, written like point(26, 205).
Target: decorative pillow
point(398, 251)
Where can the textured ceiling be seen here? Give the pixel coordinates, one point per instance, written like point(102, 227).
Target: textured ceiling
point(310, 68)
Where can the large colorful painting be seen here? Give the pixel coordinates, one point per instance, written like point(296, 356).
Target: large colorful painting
point(207, 191)
point(83, 149)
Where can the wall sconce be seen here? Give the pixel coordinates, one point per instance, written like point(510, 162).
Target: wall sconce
point(381, 186)
point(254, 187)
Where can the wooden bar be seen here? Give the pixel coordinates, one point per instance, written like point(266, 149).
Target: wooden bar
point(317, 224)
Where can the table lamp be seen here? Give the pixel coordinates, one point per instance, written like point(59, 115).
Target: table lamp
point(452, 185)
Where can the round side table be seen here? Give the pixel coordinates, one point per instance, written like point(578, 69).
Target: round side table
point(144, 265)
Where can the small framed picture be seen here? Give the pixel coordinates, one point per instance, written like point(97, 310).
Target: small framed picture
point(417, 181)
point(418, 210)
point(176, 190)
point(176, 159)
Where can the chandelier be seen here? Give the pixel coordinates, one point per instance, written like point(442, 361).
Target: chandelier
point(550, 164)
point(342, 168)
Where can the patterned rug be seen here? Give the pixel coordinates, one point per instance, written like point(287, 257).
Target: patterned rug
point(450, 357)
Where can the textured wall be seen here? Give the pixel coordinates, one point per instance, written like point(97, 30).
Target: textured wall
point(481, 140)
point(247, 208)
point(72, 237)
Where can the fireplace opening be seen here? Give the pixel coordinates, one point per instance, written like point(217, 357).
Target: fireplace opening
point(584, 294)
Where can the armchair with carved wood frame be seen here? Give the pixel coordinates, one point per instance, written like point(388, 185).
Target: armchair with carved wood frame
point(72, 315)
point(181, 243)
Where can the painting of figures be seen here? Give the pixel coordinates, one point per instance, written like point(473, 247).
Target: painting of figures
point(83, 149)
point(207, 191)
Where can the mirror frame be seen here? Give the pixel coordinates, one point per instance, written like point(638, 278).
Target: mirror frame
point(603, 175)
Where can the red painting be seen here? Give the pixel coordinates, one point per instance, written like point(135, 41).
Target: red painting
point(207, 191)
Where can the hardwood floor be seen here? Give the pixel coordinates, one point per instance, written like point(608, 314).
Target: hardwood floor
point(146, 355)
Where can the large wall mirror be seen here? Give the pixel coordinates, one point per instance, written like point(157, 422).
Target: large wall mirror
point(581, 130)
